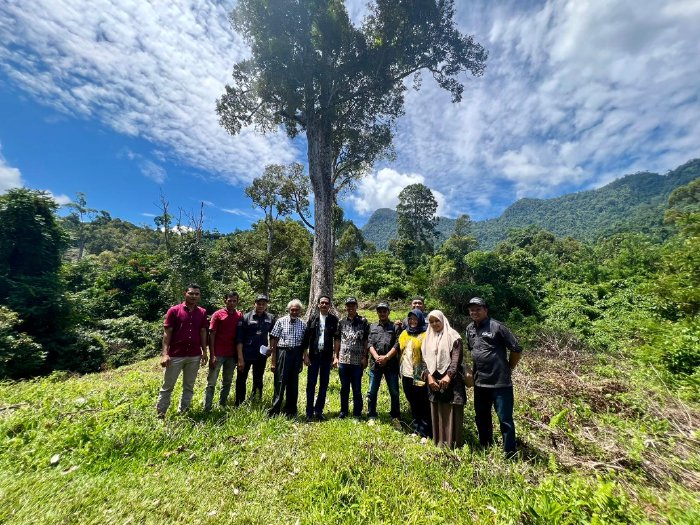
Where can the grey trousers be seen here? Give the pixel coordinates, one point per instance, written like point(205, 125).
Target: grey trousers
point(189, 366)
point(229, 366)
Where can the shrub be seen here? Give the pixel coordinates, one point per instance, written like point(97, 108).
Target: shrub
point(129, 339)
point(20, 355)
point(681, 354)
point(80, 352)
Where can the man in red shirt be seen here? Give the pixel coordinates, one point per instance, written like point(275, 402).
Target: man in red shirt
point(184, 348)
point(222, 349)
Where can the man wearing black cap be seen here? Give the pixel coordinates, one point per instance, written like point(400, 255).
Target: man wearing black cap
point(252, 333)
point(351, 357)
point(489, 342)
point(384, 363)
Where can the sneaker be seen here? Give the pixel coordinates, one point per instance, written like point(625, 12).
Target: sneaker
point(321, 417)
point(396, 423)
point(161, 415)
point(371, 422)
point(423, 440)
point(342, 415)
point(309, 419)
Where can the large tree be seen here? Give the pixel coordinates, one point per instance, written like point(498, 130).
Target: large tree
point(312, 71)
point(417, 223)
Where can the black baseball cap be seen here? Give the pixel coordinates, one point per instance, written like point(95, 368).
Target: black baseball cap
point(262, 297)
point(350, 300)
point(383, 305)
point(477, 301)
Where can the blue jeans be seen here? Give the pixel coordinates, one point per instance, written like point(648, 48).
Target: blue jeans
point(229, 366)
point(320, 365)
point(392, 381)
point(502, 400)
point(350, 375)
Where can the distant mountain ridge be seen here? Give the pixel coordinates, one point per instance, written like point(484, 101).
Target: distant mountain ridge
point(631, 203)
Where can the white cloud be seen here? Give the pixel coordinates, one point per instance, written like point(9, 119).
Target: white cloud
point(575, 93)
point(381, 190)
point(61, 199)
point(10, 177)
point(153, 171)
point(240, 213)
point(145, 68)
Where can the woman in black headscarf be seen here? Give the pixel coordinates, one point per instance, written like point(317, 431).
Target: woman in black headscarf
point(412, 367)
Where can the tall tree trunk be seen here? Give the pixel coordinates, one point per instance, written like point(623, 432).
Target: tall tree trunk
point(267, 269)
point(318, 135)
point(81, 243)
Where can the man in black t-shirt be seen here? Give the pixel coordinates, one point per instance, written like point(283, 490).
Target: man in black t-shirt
point(252, 333)
point(489, 342)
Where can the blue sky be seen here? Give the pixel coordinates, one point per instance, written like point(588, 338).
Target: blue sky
point(115, 98)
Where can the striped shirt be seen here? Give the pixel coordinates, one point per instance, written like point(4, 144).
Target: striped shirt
point(288, 331)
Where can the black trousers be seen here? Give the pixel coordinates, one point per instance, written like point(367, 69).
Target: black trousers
point(289, 365)
point(242, 378)
point(417, 397)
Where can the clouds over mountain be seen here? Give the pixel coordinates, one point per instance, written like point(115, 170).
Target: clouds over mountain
point(575, 94)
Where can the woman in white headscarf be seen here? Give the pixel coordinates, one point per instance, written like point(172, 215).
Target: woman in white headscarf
point(442, 353)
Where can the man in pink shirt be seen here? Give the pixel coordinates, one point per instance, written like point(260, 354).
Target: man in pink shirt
point(184, 348)
point(222, 349)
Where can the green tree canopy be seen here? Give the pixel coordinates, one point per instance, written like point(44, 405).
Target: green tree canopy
point(417, 223)
point(312, 71)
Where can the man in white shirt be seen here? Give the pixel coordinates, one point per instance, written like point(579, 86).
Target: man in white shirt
point(318, 354)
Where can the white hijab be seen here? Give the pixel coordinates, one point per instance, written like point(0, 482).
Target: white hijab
point(437, 346)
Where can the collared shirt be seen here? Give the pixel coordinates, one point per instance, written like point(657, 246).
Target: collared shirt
point(382, 337)
point(321, 330)
point(252, 332)
point(488, 343)
point(289, 331)
point(353, 335)
point(312, 338)
point(225, 325)
point(187, 324)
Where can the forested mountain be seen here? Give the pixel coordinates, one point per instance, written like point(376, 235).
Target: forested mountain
point(633, 203)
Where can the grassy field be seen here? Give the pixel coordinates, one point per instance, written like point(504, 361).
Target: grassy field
point(599, 444)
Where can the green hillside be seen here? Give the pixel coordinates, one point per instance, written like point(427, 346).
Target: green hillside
point(598, 446)
point(633, 203)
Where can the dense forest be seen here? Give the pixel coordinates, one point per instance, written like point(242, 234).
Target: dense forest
point(83, 291)
point(633, 203)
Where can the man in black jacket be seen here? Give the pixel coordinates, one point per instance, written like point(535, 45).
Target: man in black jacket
point(318, 356)
point(252, 333)
point(489, 342)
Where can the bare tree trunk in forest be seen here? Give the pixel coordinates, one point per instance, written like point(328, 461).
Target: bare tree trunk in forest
point(267, 268)
point(320, 172)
